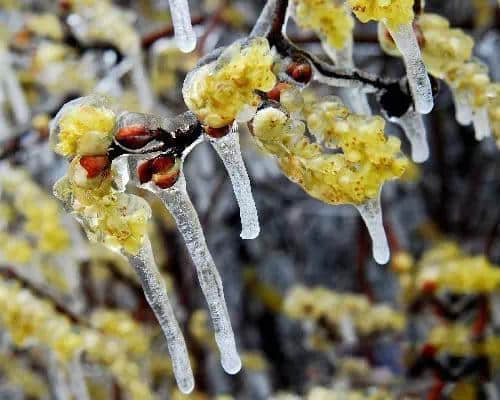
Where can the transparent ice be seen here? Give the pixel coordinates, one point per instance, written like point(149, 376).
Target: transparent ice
point(176, 199)
point(228, 148)
point(414, 129)
point(181, 19)
point(156, 295)
point(418, 79)
point(371, 212)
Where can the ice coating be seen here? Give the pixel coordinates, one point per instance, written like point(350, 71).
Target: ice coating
point(13, 91)
point(57, 377)
point(228, 148)
point(156, 295)
point(419, 82)
point(181, 19)
point(177, 201)
point(414, 129)
point(371, 212)
point(481, 121)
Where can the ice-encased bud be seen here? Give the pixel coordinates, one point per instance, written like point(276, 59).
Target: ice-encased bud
point(228, 149)
point(419, 81)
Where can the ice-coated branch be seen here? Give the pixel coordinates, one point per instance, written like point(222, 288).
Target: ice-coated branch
point(371, 212)
point(414, 129)
point(13, 91)
point(156, 295)
point(418, 79)
point(176, 199)
point(181, 19)
point(228, 149)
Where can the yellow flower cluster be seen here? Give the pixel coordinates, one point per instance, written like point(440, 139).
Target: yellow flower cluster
point(392, 12)
point(447, 267)
point(323, 304)
point(117, 219)
point(17, 374)
point(321, 393)
point(14, 249)
point(353, 176)
point(30, 320)
point(327, 18)
point(41, 213)
point(219, 92)
point(45, 25)
point(457, 339)
point(85, 130)
point(119, 324)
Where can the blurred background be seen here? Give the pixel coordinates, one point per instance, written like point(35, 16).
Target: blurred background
point(314, 316)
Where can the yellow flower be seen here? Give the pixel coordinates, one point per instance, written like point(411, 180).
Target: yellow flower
point(85, 130)
point(393, 12)
point(217, 93)
point(328, 18)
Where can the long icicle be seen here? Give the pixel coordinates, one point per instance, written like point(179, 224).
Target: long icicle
point(156, 295)
point(371, 212)
point(181, 19)
point(418, 79)
point(228, 148)
point(176, 199)
point(414, 129)
point(481, 121)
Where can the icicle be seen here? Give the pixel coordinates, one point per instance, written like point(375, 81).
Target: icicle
point(156, 295)
point(414, 128)
point(57, 377)
point(481, 123)
point(77, 379)
point(13, 90)
point(4, 125)
point(141, 82)
point(181, 19)
point(177, 201)
point(463, 111)
point(418, 79)
point(371, 212)
point(228, 148)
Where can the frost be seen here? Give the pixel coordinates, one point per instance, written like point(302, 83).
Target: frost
point(371, 212)
point(228, 148)
point(418, 79)
point(481, 122)
point(414, 129)
point(177, 201)
point(156, 295)
point(13, 91)
point(181, 19)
